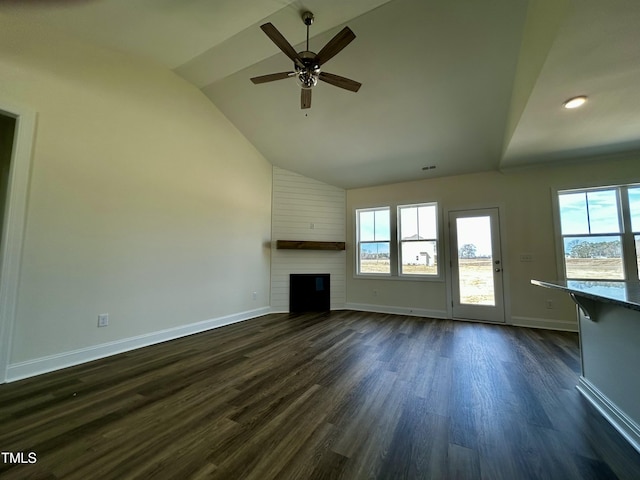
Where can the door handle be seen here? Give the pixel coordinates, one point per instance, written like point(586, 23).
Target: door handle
point(498, 269)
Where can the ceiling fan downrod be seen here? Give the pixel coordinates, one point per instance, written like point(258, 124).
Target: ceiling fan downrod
point(307, 18)
point(307, 77)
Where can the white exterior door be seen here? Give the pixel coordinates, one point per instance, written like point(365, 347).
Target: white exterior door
point(476, 265)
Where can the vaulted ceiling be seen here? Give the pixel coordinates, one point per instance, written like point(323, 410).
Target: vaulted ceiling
point(462, 85)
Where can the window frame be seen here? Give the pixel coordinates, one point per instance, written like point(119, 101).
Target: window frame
point(359, 242)
point(394, 245)
point(626, 234)
point(436, 240)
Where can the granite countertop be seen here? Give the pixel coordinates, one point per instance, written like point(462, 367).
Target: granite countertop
point(626, 294)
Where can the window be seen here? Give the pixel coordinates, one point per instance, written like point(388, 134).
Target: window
point(418, 239)
point(600, 231)
point(414, 256)
point(374, 238)
point(634, 214)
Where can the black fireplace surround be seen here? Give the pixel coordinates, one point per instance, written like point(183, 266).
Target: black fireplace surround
point(309, 292)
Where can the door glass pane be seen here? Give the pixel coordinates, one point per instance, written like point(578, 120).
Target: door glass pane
point(475, 261)
point(594, 257)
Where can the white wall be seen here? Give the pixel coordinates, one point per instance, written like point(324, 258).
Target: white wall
point(299, 202)
point(145, 202)
point(524, 198)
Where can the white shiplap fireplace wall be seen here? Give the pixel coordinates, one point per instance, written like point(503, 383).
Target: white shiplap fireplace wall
point(305, 209)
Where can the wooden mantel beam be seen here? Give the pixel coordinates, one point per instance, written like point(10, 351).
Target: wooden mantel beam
point(309, 245)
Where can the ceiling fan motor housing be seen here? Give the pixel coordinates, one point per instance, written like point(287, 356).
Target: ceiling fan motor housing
point(307, 77)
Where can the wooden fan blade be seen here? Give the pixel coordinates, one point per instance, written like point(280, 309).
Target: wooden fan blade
point(282, 43)
point(305, 98)
point(338, 81)
point(272, 77)
point(337, 43)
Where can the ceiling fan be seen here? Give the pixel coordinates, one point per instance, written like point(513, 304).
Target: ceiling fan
point(307, 64)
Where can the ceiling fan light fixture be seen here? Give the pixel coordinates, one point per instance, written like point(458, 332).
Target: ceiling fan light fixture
point(575, 102)
point(306, 80)
point(307, 77)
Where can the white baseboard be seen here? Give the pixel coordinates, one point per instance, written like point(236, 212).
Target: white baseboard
point(627, 427)
point(545, 324)
point(529, 322)
point(50, 363)
point(416, 312)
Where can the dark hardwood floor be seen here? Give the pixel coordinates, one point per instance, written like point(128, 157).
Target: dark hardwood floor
point(317, 396)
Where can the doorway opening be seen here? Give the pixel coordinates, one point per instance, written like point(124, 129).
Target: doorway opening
point(17, 127)
point(7, 138)
point(7, 135)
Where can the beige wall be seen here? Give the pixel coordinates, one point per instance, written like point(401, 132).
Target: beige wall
point(524, 198)
point(145, 202)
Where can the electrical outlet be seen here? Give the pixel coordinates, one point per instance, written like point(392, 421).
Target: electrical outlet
point(549, 304)
point(255, 295)
point(375, 293)
point(103, 320)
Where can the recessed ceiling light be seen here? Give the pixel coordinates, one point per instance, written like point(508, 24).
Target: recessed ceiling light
point(575, 102)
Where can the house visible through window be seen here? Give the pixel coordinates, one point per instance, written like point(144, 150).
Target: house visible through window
point(374, 237)
point(418, 239)
point(600, 231)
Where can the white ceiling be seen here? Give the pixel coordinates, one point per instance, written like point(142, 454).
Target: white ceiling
point(465, 85)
